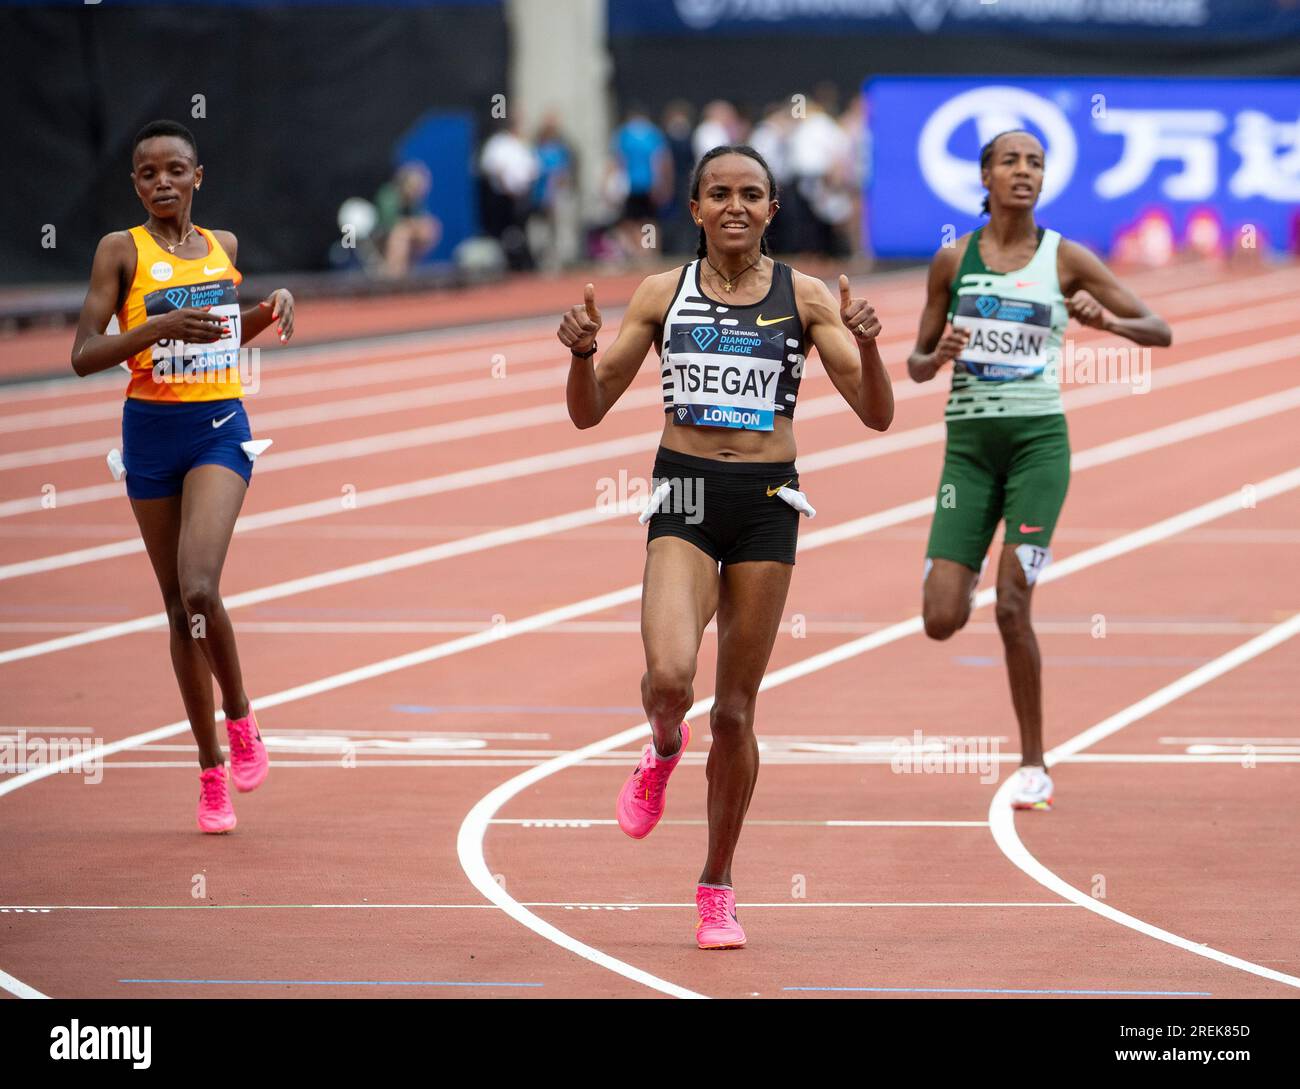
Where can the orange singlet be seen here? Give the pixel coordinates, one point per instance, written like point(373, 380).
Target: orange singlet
point(173, 370)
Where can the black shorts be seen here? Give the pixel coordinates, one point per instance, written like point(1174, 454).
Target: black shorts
point(728, 509)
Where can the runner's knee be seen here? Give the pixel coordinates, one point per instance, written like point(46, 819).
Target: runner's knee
point(1012, 612)
point(731, 718)
point(943, 621)
point(200, 594)
point(178, 616)
point(669, 685)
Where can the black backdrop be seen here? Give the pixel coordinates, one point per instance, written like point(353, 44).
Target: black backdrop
point(754, 70)
point(303, 107)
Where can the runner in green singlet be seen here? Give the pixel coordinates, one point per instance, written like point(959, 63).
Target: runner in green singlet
point(1009, 289)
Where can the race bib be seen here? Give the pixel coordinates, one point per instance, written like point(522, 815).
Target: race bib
point(177, 361)
point(1008, 337)
point(723, 376)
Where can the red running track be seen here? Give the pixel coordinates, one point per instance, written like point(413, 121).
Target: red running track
point(428, 511)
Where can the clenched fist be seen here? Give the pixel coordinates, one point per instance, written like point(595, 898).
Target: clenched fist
point(1086, 310)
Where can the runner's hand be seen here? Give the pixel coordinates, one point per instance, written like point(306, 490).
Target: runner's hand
point(858, 315)
point(950, 345)
point(1086, 310)
point(281, 304)
point(579, 326)
point(191, 325)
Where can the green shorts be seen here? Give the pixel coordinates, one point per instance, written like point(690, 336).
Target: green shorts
point(1015, 468)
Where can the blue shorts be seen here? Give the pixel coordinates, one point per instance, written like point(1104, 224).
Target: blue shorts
point(162, 441)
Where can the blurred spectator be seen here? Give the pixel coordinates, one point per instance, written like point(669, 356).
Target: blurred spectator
point(404, 230)
point(642, 159)
point(771, 139)
point(820, 161)
point(853, 123)
point(719, 124)
point(508, 169)
point(555, 227)
point(679, 228)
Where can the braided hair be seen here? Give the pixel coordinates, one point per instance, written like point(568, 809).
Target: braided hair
point(986, 157)
point(730, 149)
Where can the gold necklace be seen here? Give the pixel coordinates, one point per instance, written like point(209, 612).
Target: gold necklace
point(171, 248)
point(727, 284)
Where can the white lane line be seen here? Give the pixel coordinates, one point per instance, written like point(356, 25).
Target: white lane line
point(1002, 819)
point(529, 350)
point(469, 839)
point(567, 904)
point(1081, 627)
point(473, 830)
point(296, 385)
point(618, 759)
point(17, 987)
point(1119, 449)
point(1211, 366)
point(1191, 331)
point(364, 407)
point(589, 822)
point(486, 337)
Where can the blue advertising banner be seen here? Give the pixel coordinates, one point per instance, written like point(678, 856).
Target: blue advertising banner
point(1117, 149)
point(1046, 18)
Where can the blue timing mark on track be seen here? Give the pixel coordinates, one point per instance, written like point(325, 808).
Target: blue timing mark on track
point(999, 990)
point(510, 709)
point(341, 982)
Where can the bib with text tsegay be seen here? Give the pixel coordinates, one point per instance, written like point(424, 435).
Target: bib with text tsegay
point(1016, 321)
point(172, 370)
point(726, 365)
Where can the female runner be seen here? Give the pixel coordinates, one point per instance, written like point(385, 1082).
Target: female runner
point(173, 287)
point(1009, 289)
point(732, 329)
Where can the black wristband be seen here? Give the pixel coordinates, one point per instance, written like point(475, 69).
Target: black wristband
point(584, 355)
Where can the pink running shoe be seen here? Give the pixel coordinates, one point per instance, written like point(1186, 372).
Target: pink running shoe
point(641, 801)
point(718, 927)
point(248, 759)
point(216, 814)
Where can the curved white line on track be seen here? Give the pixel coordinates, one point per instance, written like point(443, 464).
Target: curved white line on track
point(1002, 820)
point(17, 987)
point(473, 830)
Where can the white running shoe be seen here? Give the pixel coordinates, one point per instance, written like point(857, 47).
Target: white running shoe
point(1033, 789)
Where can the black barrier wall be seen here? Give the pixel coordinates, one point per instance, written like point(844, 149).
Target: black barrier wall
point(752, 71)
point(303, 107)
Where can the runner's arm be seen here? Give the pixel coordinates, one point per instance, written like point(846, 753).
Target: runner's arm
point(852, 361)
point(92, 349)
point(934, 348)
point(1092, 287)
point(595, 384)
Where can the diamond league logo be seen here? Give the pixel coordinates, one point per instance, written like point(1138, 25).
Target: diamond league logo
point(956, 180)
point(704, 335)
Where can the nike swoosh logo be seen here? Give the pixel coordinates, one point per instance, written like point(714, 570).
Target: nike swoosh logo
point(1030, 529)
point(772, 491)
point(1026, 283)
point(772, 321)
point(218, 423)
point(213, 271)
